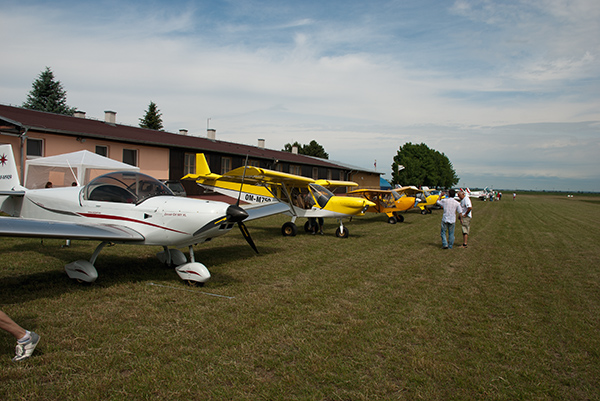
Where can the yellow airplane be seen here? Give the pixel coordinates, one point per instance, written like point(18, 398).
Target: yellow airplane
point(388, 202)
point(426, 199)
point(304, 196)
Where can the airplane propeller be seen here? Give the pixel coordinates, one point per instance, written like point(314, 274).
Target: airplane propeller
point(238, 209)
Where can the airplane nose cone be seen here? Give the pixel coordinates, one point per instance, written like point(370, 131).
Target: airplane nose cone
point(236, 214)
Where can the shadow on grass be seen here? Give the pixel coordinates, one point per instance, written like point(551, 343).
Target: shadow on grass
point(113, 269)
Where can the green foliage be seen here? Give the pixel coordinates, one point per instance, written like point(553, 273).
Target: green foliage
point(312, 149)
point(152, 119)
point(423, 167)
point(47, 94)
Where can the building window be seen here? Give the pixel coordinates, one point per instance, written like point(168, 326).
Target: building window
point(102, 150)
point(342, 178)
point(189, 163)
point(130, 156)
point(225, 164)
point(295, 169)
point(254, 163)
point(35, 147)
point(329, 174)
point(315, 173)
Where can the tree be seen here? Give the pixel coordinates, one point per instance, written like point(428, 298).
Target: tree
point(423, 167)
point(312, 149)
point(47, 94)
point(152, 119)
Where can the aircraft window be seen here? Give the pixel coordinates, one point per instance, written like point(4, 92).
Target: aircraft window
point(396, 195)
point(321, 194)
point(125, 187)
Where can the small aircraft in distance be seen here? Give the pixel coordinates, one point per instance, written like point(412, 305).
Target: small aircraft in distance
point(481, 195)
point(118, 207)
point(427, 199)
point(303, 196)
point(388, 202)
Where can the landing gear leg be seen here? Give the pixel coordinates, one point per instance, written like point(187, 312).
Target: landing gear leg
point(341, 231)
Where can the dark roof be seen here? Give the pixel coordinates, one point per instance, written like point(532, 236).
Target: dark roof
point(91, 128)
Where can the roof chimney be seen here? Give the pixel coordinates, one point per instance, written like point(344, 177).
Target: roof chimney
point(110, 117)
point(261, 143)
point(211, 133)
point(79, 114)
point(295, 150)
point(183, 131)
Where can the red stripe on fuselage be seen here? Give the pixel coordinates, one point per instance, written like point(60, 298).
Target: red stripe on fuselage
point(120, 218)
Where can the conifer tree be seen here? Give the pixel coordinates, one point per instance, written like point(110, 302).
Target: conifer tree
point(47, 94)
point(152, 119)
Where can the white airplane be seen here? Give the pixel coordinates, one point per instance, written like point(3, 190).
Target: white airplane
point(119, 207)
point(482, 195)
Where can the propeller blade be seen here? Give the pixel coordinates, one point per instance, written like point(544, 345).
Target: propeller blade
point(246, 235)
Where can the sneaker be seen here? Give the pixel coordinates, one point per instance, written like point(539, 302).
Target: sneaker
point(24, 350)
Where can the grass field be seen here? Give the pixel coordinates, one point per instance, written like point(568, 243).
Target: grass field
point(383, 315)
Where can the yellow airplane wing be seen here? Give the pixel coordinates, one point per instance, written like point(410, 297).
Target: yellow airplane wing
point(369, 192)
point(335, 183)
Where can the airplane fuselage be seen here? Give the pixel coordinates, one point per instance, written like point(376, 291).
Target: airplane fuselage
point(162, 220)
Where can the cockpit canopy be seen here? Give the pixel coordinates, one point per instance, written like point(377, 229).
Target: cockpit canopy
point(321, 194)
point(124, 187)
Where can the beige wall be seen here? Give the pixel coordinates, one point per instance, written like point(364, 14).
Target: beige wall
point(153, 161)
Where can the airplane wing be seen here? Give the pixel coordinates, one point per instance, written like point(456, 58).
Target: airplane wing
point(369, 191)
point(335, 183)
point(260, 210)
point(256, 175)
point(19, 227)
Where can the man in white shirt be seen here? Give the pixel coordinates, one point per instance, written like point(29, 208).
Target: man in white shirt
point(451, 207)
point(465, 216)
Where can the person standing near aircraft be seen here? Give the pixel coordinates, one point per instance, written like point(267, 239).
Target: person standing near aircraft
point(451, 207)
point(26, 340)
point(465, 216)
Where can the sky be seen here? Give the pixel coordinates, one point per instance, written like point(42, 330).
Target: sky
point(508, 90)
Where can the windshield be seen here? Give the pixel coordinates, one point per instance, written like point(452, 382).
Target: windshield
point(125, 187)
point(320, 193)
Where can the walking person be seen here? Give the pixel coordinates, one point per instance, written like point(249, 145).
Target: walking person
point(465, 216)
point(451, 207)
point(26, 340)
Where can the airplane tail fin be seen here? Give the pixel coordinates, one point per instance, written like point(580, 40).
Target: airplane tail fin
point(11, 191)
point(202, 170)
point(9, 176)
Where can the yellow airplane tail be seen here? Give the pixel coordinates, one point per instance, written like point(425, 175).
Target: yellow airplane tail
point(202, 170)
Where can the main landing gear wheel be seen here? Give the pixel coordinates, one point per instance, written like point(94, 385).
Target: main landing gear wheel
point(338, 233)
point(423, 211)
point(289, 229)
point(399, 218)
point(392, 220)
point(309, 229)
